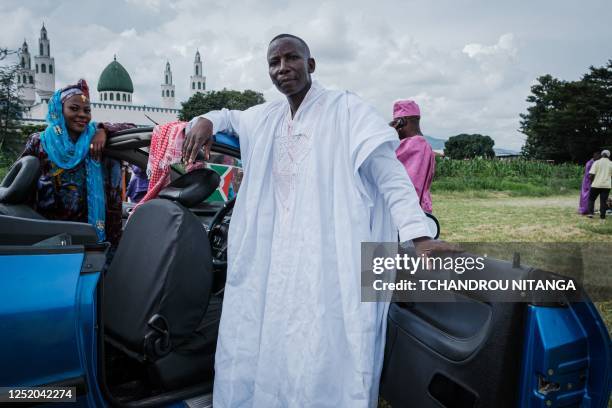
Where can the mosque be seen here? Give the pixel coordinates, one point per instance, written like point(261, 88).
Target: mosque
point(115, 91)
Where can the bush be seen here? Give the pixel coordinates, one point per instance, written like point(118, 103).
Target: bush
point(466, 146)
point(519, 177)
point(506, 168)
point(5, 163)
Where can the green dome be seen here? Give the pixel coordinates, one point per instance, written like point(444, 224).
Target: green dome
point(115, 78)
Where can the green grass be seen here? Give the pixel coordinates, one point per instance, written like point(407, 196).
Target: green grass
point(500, 217)
point(485, 216)
point(512, 185)
point(521, 168)
point(480, 216)
point(514, 177)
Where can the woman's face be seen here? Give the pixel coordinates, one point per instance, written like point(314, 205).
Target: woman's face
point(77, 112)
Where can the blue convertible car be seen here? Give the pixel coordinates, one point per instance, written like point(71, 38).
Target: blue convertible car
point(142, 333)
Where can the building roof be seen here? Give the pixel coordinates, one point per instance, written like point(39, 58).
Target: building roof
point(115, 78)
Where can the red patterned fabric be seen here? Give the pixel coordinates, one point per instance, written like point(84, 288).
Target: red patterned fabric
point(166, 150)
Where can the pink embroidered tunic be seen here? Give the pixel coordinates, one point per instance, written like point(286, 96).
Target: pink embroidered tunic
point(418, 159)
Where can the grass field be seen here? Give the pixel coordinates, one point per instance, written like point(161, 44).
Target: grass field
point(500, 217)
point(479, 216)
point(514, 177)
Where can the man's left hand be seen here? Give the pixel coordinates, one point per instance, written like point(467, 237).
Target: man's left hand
point(427, 246)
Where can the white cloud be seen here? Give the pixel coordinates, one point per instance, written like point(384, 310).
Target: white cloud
point(505, 46)
point(129, 33)
point(470, 69)
point(153, 5)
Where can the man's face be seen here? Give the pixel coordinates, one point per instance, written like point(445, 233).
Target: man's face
point(289, 66)
point(406, 125)
point(77, 112)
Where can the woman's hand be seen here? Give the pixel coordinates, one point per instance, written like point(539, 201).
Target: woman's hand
point(97, 144)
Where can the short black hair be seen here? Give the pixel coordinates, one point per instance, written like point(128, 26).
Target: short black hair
point(295, 37)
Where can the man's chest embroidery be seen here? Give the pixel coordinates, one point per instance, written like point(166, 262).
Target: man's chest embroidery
point(291, 149)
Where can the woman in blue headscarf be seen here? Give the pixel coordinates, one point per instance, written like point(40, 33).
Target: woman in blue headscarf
point(76, 184)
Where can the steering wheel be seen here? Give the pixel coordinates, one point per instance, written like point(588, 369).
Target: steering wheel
point(217, 235)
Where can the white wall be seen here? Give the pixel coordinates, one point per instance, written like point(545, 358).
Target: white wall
point(132, 114)
point(117, 113)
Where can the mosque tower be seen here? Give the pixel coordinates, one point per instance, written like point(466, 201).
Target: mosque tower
point(198, 81)
point(45, 68)
point(167, 89)
point(25, 76)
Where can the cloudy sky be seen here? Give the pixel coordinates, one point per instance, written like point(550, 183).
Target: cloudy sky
point(468, 63)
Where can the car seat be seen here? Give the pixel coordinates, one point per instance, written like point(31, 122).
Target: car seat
point(17, 187)
point(158, 287)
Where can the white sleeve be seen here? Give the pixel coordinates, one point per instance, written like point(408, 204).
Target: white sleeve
point(224, 120)
point(383, 170)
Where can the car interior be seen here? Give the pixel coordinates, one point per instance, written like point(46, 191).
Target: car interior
point(160, 299)
point(161, 318)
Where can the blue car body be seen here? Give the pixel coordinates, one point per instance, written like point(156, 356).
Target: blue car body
point(49, 331)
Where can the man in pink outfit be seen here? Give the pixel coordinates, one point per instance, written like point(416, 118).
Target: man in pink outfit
point(414, 152)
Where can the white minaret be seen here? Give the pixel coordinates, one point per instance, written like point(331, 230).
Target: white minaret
point(45, 67)
point(25, 76)
point(198, 81)
point(167, 89)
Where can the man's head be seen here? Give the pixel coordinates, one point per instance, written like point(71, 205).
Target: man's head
point(406, 118)
point(290, 64)
point(596, 155)
point(605, 153)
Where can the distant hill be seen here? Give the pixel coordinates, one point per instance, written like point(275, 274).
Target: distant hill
point(505, 151)
point(438, 144)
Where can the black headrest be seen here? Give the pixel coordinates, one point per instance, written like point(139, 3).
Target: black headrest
point(19, 181)
point(192, 188)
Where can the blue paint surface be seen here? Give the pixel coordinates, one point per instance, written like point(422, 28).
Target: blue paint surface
point(227, 140)
point(38, 318)
point(566, 358)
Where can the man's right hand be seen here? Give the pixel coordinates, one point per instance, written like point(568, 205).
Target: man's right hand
point(199, 136)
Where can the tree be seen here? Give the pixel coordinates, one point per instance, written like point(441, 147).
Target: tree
point(201, 103)
point(11, 109)
point(466, 146)
point(568, 121)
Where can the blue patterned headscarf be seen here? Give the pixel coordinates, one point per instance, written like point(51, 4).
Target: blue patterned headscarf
point(67, 154)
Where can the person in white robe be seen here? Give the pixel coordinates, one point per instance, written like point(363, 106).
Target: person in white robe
point(320, 177)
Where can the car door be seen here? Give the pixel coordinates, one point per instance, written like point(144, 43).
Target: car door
point(49, 272)
point(478, 351)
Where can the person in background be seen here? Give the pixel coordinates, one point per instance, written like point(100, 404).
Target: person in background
point(583, 206)
point(76, 183)
point(138, 185)
point(414, 152)
point(601, 182)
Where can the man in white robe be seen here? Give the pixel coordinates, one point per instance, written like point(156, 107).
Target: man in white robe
point(320, 177)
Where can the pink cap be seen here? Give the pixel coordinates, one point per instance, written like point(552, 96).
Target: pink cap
point(405, 107)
